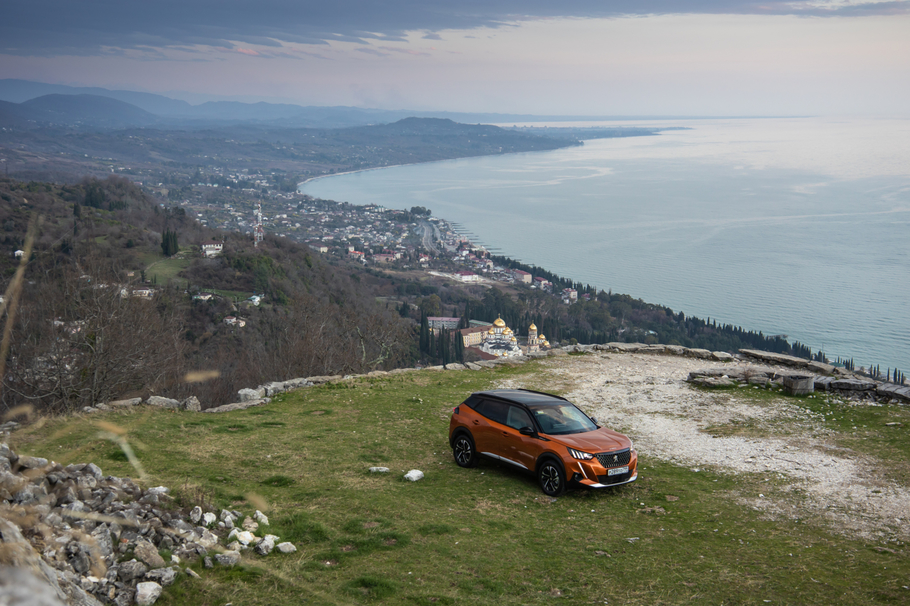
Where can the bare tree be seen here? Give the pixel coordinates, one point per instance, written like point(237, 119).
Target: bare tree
point(84, 338)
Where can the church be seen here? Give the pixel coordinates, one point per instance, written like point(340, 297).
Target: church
point(535, 341)
point(500, 341)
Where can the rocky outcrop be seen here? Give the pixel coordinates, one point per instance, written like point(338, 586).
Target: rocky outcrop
point(799, 382)
point(90, 539)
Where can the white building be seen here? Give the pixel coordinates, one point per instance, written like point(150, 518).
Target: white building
point(210, 248)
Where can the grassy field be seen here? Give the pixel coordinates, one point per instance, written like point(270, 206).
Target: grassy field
point(167, 269)
point(465, 536)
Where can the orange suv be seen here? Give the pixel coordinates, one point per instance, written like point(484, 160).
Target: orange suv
point(544, 434)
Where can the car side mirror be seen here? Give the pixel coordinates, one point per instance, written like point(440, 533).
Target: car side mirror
point(527, 431)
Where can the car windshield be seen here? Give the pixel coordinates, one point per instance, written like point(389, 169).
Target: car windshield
point(561, 418)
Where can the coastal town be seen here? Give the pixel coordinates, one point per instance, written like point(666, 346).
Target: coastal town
point(369, 234)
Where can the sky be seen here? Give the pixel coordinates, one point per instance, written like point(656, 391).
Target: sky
point(572, 57)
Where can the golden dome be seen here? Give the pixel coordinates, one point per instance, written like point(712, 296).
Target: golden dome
point(532, 327)
point(491, 332)
point(499, 323)
point(541, 338)
point(507, 331)
point(514, 340)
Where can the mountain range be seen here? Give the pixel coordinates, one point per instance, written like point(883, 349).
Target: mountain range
point(24, 104)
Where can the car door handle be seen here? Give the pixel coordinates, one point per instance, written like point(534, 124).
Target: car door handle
point(476, 422)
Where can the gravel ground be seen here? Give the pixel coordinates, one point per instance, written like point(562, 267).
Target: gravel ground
point(646, 397)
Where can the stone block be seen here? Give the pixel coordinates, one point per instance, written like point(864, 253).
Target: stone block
point(799, 385)
point(820, 368)
point(853, 385)
point(248, 395)
point(163, 402)
point(191, 404)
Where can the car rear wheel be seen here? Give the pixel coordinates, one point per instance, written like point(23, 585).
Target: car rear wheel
point(551, 478)
point(463, 449)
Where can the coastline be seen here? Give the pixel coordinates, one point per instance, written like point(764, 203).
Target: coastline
point(425, 162)
point(840, 332)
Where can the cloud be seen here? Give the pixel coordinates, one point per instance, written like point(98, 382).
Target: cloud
point(371, 51)
point(57, 27)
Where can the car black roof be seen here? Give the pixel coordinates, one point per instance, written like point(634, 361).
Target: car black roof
point(522, 396)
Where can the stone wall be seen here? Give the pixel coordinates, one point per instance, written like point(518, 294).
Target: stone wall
point(829, 377)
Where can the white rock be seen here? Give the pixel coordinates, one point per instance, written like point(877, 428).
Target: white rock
point(208, 539)
point(228, 558)
point(245, 537)
point(208, 519)
point(248, 395)
point(196, 514)
point(286, 547)
point(147, 593)
point(175, 559)
point(192, 573)
point(159, 490)
point(414, 475)
point(250, 524)
point(265, 545)
point(261, 518)
point(379, 470)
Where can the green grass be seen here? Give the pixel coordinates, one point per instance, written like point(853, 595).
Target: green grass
point(233, 295)
point(474, 536)
point(167, 269)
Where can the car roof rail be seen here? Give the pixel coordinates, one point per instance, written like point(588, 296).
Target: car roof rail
point(543, 393)
point(493, 393)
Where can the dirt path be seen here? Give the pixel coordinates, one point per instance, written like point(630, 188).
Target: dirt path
point(646, 396)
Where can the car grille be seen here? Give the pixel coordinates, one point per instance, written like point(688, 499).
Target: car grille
point(617, 479)
point(614, 459)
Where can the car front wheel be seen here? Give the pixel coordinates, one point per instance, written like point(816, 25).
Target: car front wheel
point(463, 449)
point(551, 478)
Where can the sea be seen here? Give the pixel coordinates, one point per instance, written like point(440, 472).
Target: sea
point(793, 226)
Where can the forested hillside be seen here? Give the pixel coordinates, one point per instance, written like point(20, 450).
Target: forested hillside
point(91, 324)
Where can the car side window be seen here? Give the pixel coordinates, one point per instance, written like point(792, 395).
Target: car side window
point(518, 418)
point(472, 402)
point(493, 410)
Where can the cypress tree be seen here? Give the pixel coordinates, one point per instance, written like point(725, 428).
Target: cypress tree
point(424, 333)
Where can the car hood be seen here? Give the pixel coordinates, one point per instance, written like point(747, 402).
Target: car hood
point(599, 440)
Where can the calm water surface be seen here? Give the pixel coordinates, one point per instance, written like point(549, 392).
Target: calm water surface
point(789, 226)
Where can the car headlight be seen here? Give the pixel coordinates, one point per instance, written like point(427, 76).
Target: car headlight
point(577, 454)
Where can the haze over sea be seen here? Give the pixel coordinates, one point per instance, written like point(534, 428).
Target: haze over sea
point(789, 226)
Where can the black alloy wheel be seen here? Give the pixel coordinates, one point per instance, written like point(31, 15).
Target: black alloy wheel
point(464, 452)
point(551, 478)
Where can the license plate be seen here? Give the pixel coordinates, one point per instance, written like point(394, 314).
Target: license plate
point(618, 470)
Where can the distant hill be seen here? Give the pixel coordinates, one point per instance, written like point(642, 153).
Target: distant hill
point(92, 110)
point(73, 111)
point(17, 91)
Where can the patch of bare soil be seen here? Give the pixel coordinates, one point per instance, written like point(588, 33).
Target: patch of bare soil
point(646, 397)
